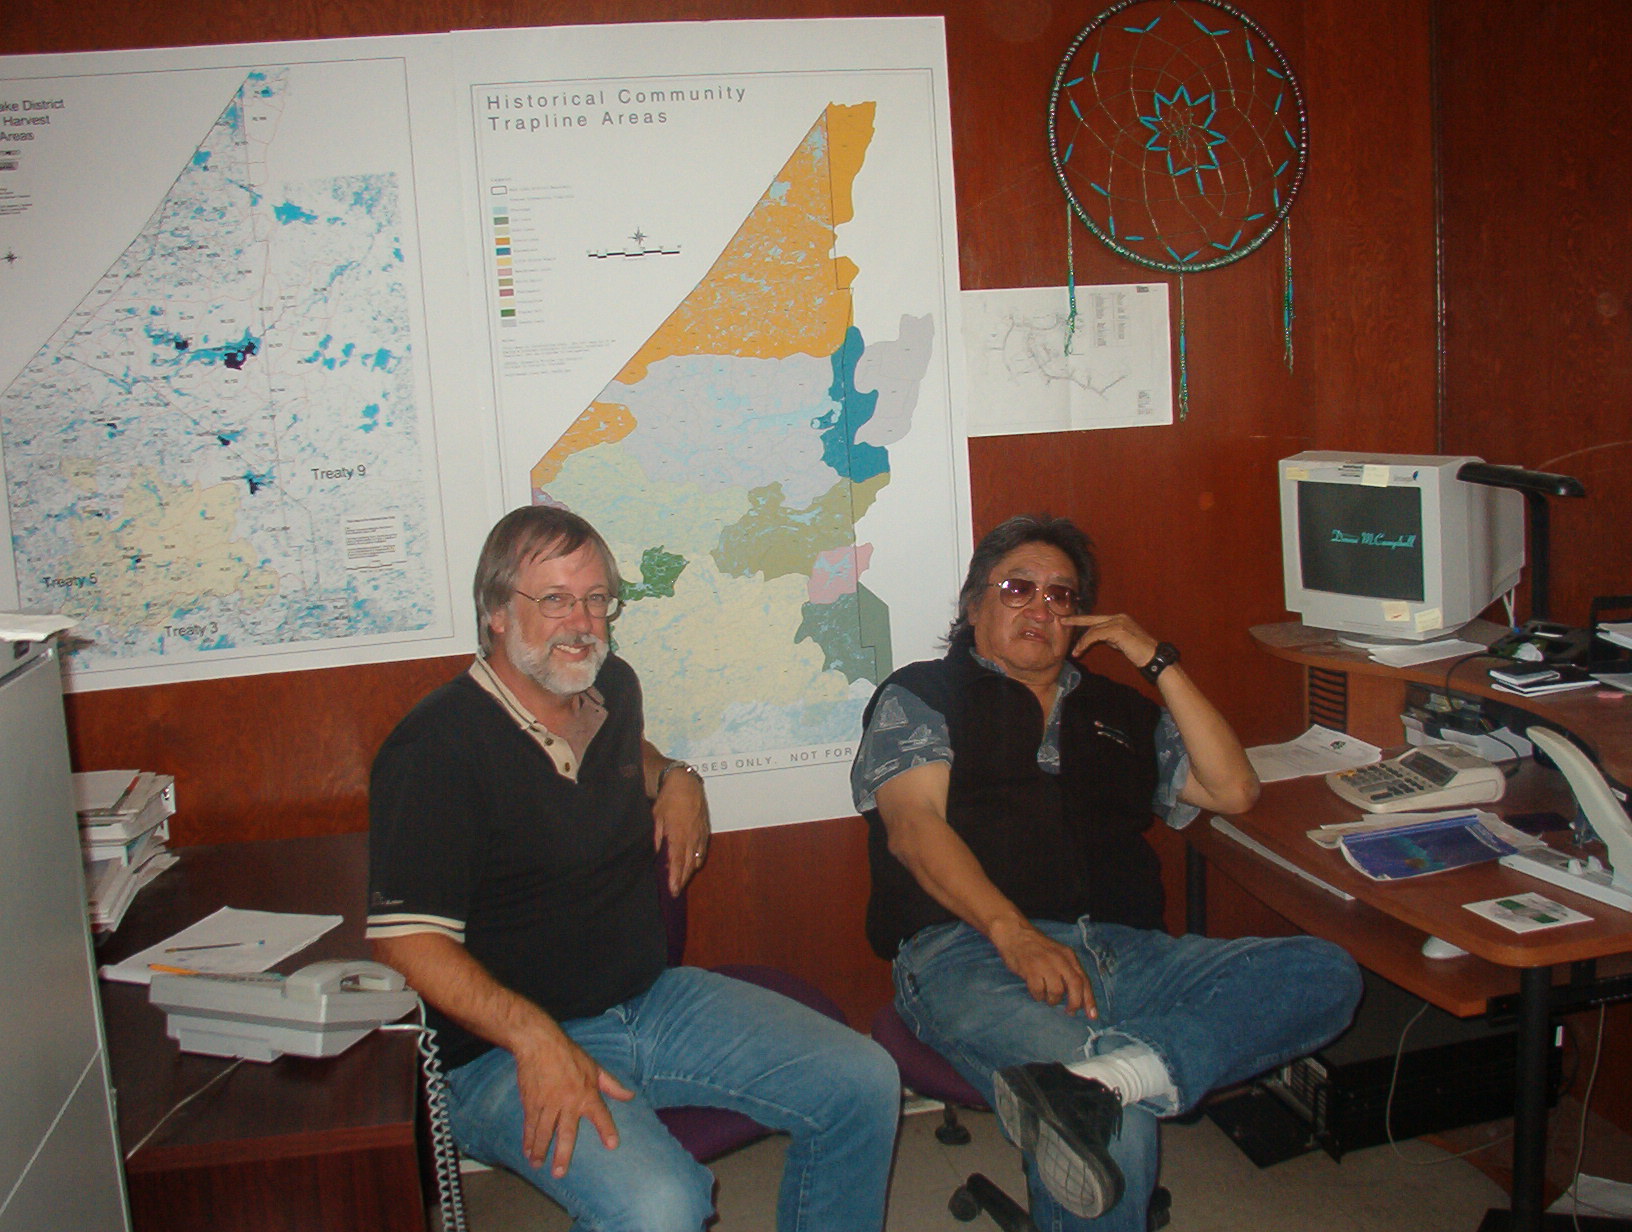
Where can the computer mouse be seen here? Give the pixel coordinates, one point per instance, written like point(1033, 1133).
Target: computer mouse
point(1434, 947)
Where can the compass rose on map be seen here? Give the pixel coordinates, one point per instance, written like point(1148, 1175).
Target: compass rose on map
point(636, 247)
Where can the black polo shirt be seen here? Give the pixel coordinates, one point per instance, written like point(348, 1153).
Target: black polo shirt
point(548, 882)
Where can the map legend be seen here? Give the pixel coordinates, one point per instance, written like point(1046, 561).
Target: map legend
point(503, 260)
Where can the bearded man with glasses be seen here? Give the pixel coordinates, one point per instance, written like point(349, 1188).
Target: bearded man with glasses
point(515, 816)
point(1007, 790)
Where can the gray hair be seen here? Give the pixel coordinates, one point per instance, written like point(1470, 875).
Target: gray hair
point(532, 532)
point(1016, 532)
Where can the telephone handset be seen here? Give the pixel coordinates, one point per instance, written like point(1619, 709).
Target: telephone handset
point(1585, 875)
point(320, 979)
point(318, 1011)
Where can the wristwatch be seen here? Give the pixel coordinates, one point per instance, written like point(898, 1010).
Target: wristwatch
point(683, 766)
point(1167, 654)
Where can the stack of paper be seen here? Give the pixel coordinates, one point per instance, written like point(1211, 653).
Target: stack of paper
point(1617, 631)
point(1319, 750)
point(1411, 653)
point(124, 821)
point(227, 942)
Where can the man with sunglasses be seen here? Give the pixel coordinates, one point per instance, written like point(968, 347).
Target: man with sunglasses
point(1007, 791)
point(515, 817)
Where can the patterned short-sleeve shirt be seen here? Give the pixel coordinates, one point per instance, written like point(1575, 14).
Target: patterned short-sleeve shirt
point(905, 732)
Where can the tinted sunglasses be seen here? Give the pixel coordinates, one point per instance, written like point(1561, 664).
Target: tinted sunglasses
point(1017, 592)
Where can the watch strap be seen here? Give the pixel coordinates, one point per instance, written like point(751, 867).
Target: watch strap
point(1167, 654)
point(684, 767)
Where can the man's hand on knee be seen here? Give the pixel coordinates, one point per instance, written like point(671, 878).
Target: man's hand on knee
point(560, 1083)
point(1052, 973)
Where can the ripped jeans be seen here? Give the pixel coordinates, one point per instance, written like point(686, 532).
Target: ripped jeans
point(1216, 1012)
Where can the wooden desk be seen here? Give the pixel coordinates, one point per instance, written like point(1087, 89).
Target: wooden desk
point(1531, 975)
point(299, 1143)
point(1369, 697)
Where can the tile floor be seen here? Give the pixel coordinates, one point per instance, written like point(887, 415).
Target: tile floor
point(1215, 1187)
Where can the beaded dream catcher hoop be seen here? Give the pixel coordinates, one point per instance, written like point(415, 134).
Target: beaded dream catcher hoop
point(1178, 133)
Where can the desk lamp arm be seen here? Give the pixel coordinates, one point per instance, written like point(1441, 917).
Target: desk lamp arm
point(1537, 486)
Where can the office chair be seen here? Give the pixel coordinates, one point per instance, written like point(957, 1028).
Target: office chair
point(708, 1133)
point(931, 1075)
point(928, 1073)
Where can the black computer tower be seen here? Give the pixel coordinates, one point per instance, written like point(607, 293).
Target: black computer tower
point(1451, 1072)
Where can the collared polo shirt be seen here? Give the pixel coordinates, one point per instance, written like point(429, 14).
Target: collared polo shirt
point(590, 716)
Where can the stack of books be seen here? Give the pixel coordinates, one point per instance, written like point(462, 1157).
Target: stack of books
point(1533, 679)
point(124, 823)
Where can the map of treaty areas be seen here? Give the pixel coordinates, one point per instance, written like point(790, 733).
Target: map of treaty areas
point(219, 451)
point(745, 440)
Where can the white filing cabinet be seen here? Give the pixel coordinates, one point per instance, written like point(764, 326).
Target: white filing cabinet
point(59, 1154)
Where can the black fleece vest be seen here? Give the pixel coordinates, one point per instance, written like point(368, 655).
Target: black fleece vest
point(1059, 846)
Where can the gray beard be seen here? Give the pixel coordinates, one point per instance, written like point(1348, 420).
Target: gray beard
point(563, 680)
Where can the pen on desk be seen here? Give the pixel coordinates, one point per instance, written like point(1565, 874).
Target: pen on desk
point(164, 970)
point(219, 945)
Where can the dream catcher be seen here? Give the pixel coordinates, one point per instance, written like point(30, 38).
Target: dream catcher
point(1178, 132)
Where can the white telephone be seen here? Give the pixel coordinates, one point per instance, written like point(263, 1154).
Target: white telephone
point(319, 1011)
point(1588, 875)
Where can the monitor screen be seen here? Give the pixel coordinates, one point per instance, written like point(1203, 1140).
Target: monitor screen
point(1359, 540)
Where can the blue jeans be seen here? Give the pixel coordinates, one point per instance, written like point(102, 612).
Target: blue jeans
point(699, 1038)
point(1216, 1012)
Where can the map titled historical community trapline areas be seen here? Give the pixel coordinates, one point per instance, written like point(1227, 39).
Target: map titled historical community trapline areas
point(729, 451)
point(219, 450)
point(719, 291)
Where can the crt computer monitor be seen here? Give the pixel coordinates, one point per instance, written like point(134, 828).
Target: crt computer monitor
point(1394, 546)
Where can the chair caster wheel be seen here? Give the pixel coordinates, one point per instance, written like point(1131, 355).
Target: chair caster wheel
point(951, 1131)
point(963, 1205)
point(1160, 1211)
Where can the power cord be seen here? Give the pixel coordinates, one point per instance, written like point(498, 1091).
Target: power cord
point(179, 1106)
point(1581, 1134)
point(1510, 766)
point(1565, 1084)
point(1457, 661)
point(449, 1191)
point(1388, 1109)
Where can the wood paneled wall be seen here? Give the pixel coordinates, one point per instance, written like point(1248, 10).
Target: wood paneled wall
point(1538, 297)
point(1538, 265)
point(1185, 516)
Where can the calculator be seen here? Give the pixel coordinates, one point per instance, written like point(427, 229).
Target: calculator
point(1428, 777)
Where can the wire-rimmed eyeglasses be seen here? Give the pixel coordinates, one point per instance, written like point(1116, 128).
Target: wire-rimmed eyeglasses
point(1017, 592)
point(558, 603)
